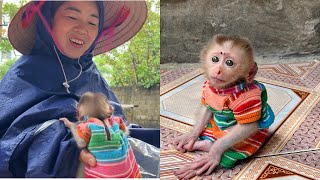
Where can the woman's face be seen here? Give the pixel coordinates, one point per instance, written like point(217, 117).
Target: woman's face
point(75, 27)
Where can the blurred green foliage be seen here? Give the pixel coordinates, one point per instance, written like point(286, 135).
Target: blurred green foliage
point(9, 9)
point(138, 61)
point(4, 67)
point(5, 46)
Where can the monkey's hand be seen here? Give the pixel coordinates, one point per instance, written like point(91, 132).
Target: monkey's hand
point(185, 142)
point(205, 163)
point(208, 162)
point(67, 123)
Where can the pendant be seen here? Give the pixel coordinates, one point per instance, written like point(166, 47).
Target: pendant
point(66, 85)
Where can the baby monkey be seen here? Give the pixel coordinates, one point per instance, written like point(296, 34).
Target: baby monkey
point(105, 137)
point(234, 119)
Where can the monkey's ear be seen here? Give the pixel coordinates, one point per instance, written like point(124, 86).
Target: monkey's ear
point(110, 111)
point(252, 73)
point(111, 108)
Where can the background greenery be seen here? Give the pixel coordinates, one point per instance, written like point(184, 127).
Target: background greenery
point(137, 62)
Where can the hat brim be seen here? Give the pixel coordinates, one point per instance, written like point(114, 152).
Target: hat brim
point(23, 39)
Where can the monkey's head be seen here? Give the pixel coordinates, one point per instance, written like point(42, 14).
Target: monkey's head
point(94, 105)
point(228, 60)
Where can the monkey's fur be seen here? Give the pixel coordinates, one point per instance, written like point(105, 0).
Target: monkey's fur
point(245, 67)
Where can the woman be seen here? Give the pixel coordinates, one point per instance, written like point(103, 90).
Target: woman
point(58, 41)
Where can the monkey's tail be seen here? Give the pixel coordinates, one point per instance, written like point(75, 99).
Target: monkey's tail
point(107, 130)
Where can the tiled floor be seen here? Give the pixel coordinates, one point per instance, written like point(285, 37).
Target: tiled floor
point(294, 95)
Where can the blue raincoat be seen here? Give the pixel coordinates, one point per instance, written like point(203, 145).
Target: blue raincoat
point(31, 93)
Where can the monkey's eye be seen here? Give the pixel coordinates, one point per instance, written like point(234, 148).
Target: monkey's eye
point(229, 62)
point(215, 59)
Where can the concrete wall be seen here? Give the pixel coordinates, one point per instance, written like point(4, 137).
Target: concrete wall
point(276, 27)
point(147, 114)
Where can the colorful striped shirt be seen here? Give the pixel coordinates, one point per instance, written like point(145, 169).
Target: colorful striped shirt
point(115, 158)
point(240, 104)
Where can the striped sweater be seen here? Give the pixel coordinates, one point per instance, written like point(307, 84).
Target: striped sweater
point(237, 105)
point(115, 158)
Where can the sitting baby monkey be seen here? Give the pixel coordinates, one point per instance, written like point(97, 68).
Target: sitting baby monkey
point(105, 137)
point(235, 115)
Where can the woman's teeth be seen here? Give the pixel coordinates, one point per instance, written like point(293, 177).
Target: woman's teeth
point(77, 41)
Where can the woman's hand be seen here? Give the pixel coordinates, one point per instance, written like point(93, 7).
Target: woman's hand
point(185, 142)
point(87, 157)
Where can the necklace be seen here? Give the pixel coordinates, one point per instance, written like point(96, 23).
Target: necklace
point(66, 82)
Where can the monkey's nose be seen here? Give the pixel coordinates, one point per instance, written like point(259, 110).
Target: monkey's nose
point(219, 72)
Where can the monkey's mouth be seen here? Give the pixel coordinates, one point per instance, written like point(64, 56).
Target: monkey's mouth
point(217, 80)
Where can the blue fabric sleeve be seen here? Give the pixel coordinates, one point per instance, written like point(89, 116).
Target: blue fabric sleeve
point(267, 117)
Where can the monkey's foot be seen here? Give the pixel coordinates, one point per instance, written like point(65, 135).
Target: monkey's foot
point(202, 145)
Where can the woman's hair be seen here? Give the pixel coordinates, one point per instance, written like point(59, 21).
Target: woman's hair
point(55, 7)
